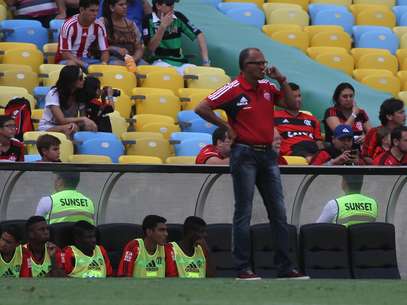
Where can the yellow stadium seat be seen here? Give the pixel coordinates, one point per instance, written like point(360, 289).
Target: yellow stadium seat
point(336, 2)
point(302, 3)
point(123, 105)
point(360, 7)
point(3, 12)
point(140, 160)
point(164, 128)
point(159, 104)
point(1, 111)
point(290, 16)
point(313, 52)
point(297, 39)
point(5, 46)
point(66, 147)
point(46, 69)
point(7, 93)
point(295, 160)
point(270, 7)
point(24, 79)
point(312, 30)
point(403, 42)
point(147, 146)
point(400, 31)
point(119, 124)
point(378, 61)
point(50, 79)
point(390, 84)
point(208, 81)
point(98, 70)
point(49, 50)
point(30, 57)
point(376, 16)
point(332, 39)
point(90, 159)
point(196, 70)
point(136, 135)
point(122, 80)
point(402, 75)
point(259, 3)
point(388, 3)
point(357, 53)
point(143, 70)
point(140, 92)
point(401, 56)
point(142, 119)
point(36, 115)
point(360, 74)
point(180, 160)
point(269, 29)
point(338, 61)
point(5, 67)
point(190, 102)
point(403, 96)
point(166, 80)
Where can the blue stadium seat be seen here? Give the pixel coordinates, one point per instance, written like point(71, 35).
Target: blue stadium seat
point(39, 93)
point(82, 136)
point(182, 136)
point(403, 20)
point(189, 121)
point(32, 158)
point(380, 40)
point(55, 27)
point(359, 30)
point(315, 8)
point(249, 16)
point(335, 17)
point(224, 7)
point(401, 2)
point(24, 31)
point(190, 147)
point(112, 148)
point(212, 2)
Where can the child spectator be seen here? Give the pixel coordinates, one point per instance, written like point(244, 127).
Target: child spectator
point(383, 141)
point(10, 148)
point(48, 148)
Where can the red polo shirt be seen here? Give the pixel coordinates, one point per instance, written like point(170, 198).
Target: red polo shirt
point(250, 110)
point(296, 129)
point(388, 159)
point(206, 153)
point(370, 144)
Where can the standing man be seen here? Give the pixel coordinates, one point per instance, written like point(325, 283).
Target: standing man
point(218, 152)
point(397, 154)
point(190, 258)
point(67, 204)
point(249, 103)
point(145, 258)
point(78, 33)
point(42, 253)
point(351, 208)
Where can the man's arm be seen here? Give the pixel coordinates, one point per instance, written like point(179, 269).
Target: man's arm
point(217, 161)
point(126, 265)
point(155, 41)
point(204, 49)
point(104, 57)
point(210, 266)
point(147, 7)
point(44, 206)
point(61, 9)
point(56, 261)
point(329, 212)
point(170, 264)
point(289, 100)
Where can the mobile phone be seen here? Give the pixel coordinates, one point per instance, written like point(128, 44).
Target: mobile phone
point(354, 152)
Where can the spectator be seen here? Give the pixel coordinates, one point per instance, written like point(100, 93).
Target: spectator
point(162, 35)
point(96, 104)
point(218, 152)
point(346, 111)
point(300, 132)
point(48, 148)
point(72, 7)
point(123, 35)
point(276, 147)
point(190, 258)
point(145, 258)
point(43, 254)
point(383, 138)
point(61, 105)
point(353, 207)
point(10, 148)
point(340, 152)
point(249, 103)
point(392, 115)
point(77, 35)
point(42, 10)
point(397, 155)
point(85, 259)
point(66, 204)
point(14, 259)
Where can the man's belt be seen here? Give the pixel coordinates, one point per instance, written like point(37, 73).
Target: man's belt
point(257, 147)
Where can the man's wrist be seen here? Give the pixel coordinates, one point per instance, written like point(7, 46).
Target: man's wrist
point(281, 80)
point(206, 61)
point(354, 115)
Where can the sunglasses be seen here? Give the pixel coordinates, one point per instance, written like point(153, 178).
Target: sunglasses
point(258, 63)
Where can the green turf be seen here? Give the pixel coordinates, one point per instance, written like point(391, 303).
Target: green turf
point(208, 292)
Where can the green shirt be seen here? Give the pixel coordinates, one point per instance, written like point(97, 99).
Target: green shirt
point(170, 47)
point(88, 266)
point(12, 268)
point(41, 270)
point(149, 266)
point(190, 266)
point(356, 208)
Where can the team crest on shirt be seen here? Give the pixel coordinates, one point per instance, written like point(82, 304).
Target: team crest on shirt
point(307, 122)
point(267, 96)
point(359, 126)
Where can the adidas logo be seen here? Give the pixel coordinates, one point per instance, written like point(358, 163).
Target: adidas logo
point(94, 266)
point(42, 274)
point(243, 102)
point(345, 130)
point(151, 266)
point(192, 267)
point(285, 121)
point(8, 273)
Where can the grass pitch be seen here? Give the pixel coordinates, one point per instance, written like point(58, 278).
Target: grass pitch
point(205, 292)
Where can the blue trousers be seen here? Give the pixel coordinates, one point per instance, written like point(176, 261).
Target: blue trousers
point(250, 168)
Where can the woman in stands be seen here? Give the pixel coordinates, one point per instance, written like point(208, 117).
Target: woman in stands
point(61, 105)
point(346, 111)
point(123, 35)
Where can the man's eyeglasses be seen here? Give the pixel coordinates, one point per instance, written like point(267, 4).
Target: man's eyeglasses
point(258, 63)
point(12, 126)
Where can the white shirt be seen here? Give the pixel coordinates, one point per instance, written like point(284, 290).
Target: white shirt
point(329, 213)
point(44, 206)
point(47, 121)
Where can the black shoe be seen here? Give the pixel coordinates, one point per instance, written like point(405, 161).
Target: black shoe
point(293, 274)
point(247, 275)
